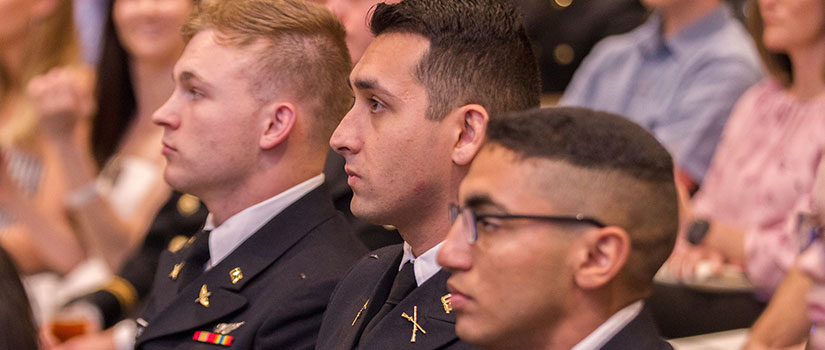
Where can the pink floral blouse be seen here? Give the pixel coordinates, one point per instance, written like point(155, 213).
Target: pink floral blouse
point(763, 168)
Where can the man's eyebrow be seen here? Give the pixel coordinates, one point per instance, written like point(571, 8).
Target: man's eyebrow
point(372, 84)
point(481, 200)
point(187, 76)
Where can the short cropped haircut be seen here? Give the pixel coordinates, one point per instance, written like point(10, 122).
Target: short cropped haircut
point(479, 53)
point(306, 53)
point(626, 176)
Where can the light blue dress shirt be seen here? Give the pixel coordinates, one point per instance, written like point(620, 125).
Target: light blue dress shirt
point(90, 18)
point(681, 89)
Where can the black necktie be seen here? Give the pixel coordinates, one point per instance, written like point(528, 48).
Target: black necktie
point(402, 286)
point(196, 257)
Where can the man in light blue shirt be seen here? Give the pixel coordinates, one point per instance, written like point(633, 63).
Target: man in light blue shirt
point(678, 75)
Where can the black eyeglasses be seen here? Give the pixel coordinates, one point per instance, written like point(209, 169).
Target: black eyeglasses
point(472, 220)
point(809, 229)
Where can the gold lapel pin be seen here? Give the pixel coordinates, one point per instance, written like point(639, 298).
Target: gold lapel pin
point(414, 320)
point(226, 328)
point(203, 297)
point(445, 301)
point(236, 274)
point(177, 243)
point(176, 271)
point(188, 205)
point(359, 312)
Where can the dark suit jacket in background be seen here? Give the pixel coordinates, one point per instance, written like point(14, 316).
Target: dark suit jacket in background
point(641, 334)
point(290, 267)
point(371, 278)
point(563, 36)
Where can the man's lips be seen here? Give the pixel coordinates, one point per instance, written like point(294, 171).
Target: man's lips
point(352, 176)
point(458, 300)
point(168, 149)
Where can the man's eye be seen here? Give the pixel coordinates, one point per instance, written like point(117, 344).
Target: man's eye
point(487, 225)
point(195, 94)
point(375, 105)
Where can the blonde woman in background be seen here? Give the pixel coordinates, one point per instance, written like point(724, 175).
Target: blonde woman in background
point(115, 179)
point(35, 36)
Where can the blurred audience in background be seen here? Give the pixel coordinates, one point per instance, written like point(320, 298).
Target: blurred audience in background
point(35, 37)
point(115, 177)
point(678, 75)
point(764, 166)
point(100, 173)
point(564, 31)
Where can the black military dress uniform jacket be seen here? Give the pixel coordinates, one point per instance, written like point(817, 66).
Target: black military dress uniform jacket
point(361, 294)
point(269, 293)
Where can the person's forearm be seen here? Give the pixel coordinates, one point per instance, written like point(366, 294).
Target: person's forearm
point(39, 244)
point(104, 234)
point(784, 323)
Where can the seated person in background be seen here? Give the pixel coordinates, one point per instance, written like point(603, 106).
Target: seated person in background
point(259, 89)
point(678, 75)
point(17, 327)
point(786, 321)
point(114, 176)
point(37, 35)
point(565, 216)
point(564, 35)
point(764, 166)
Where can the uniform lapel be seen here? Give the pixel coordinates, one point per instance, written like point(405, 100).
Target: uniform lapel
point(252, 257)
point(376, 298)
point(396, 331)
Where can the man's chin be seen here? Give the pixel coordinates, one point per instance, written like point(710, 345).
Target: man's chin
point(368, 213)
point(177, 182)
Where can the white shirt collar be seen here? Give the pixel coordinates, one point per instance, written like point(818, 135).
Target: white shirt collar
point(610, 328)
point(225, 238)
point(425, 266)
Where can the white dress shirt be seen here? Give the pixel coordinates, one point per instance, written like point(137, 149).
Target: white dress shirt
point(611, 327)
point(425, 266)
point(225, 238)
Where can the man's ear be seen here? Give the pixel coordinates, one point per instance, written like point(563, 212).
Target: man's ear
point(44, 8)
point(279, 118)
point(473, 120)
point(602, 254)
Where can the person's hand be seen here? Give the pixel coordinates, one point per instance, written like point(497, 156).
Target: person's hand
point(104, 340)
point(690, 263)
point(63, 98)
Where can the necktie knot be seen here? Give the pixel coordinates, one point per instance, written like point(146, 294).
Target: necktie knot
point(403, 285)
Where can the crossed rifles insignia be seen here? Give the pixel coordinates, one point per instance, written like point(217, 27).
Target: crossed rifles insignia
point(414, 320)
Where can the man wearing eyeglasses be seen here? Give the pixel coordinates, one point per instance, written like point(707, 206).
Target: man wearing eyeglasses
point(564, 217)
